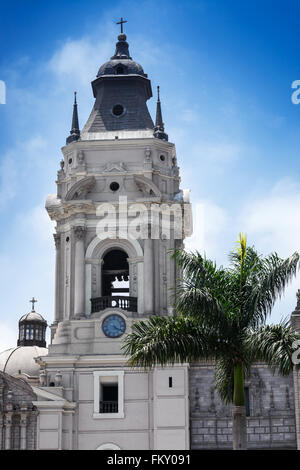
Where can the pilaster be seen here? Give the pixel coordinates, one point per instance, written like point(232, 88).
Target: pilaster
point(79, 286)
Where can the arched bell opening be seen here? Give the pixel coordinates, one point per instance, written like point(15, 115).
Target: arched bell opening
point(115, 274)
point(115, 283)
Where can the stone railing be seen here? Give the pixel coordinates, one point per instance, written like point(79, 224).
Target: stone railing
point(123, 302)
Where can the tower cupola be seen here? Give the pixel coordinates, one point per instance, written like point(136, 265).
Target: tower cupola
point(32, 329)
point(121, 90)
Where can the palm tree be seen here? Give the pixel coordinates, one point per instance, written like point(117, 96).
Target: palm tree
point(222, 314)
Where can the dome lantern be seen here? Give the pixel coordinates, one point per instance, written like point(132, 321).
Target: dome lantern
point(32, 329)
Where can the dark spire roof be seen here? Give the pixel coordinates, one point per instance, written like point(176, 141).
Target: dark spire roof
point(121, 90)
point(75, 131)
point(159, 129)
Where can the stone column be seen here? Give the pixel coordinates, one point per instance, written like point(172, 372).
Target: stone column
point(79, 286)
point(23, 427)
point(148, 275)
point(8, 426)
point(57, 239)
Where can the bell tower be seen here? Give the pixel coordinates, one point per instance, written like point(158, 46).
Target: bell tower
point(119, 214)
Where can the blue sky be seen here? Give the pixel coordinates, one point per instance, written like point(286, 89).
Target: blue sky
point(225, 69)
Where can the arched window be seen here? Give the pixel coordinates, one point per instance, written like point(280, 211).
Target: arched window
point(115, 283)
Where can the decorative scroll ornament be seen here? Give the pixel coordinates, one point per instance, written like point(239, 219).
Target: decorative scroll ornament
point(81, 188)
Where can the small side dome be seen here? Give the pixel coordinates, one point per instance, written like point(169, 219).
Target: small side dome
point(32, 316)
point(20, 360)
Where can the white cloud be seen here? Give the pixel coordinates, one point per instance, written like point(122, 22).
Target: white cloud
point(77, 60)
point(271, 222)
point(210, 223)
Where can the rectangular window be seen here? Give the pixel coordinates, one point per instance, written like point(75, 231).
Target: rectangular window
point(108, 394)
point(109, 398)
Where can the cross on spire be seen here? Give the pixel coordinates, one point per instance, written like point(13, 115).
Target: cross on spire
point(121, 23)
point(33, 301)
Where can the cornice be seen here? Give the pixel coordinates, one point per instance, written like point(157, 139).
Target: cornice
point(112, 144)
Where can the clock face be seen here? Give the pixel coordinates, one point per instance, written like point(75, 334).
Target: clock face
point(113, 326)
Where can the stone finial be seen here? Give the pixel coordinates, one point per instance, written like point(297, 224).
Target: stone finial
point(58, 379)
point(9, 396)
point(42, 378)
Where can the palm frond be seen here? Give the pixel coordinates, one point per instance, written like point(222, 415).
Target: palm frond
point(273, 344)
point(162, 340)
point(204, 290)
point(266, 283)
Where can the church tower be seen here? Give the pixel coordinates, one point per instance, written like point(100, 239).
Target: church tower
point(119, 214)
